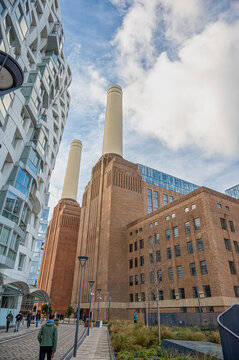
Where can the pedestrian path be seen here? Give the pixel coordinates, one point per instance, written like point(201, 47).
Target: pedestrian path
point(23, 330)
point(95, 346)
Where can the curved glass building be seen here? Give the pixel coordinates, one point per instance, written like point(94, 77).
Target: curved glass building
point(32, 121)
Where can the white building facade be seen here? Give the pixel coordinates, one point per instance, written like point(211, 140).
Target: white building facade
point(32, 121)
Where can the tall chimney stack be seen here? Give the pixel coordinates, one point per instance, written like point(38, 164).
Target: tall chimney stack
point(71, 180)
point(112, 142)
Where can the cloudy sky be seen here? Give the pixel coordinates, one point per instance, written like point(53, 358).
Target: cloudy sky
point(177, 63)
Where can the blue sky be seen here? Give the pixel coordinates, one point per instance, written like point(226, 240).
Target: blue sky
point(177, 63)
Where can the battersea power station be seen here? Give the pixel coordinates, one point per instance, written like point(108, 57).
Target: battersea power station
point(147, 235)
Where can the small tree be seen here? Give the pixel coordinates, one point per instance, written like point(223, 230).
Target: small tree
point(69, 311)
point(46, 309)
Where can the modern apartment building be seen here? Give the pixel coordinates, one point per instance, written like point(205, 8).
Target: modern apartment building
point(32, 121)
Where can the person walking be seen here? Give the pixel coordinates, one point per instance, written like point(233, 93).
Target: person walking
point(29, 318)
point(38, 317)
point(9, 318)
point(47, 338)
point(135, 318)
point(18, 321)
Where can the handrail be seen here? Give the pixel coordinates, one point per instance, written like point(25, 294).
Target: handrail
point(68, 356)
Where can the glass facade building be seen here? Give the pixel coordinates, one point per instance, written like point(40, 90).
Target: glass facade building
point(233, 192)
point(32, 121)
point(165, 181)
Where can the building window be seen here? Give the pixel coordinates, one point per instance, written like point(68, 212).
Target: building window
point(143, 296)
point(231, 226)
point(12, 207)
point(197, 225)
point(236, 246)
point(170, 273)
point(165, 199)
point(155, 223)
point(167, 234)
point(136, 297)
point(136, 231)
point(232, 267)
point(142, 278)
point(131, 280)
point(203, 267)
point(206, 291)
point(177, 250)
point(190, 247)
point(135, 246)
point(223, 223)
point(131, 298)
point(158, 256)
point(169, 253)
point(227, 244)
point(180, 272)
point(141, 244)
point(22, 181)
point(186, 209)
point(150, 225)
point(193, 206)
point(167, 218)
point(4, 234)
point(136, 262)
point(183, 309)
point(181, 293)
point(149, 196)
point(151, 258)
point(160, 294)
point(227, 208)
point(140, 229)
point(159, 275)
point(156, 201)
point(142, 260)
point(175, 231)
point(195, 292)
point(152, 276)
point(130, 247)
point(172, 294)
point(156, 238)
point(153, 297)
point(170, 198)
point(150, 240)
point(131, 264)
point(21, 262)
point(192, 269)
point(200, 246)
point(136, 279)
point(173, 215)
point(219, 206)
point(236, 291)
point(187, 227)
point(209, 309)
point(130, 234)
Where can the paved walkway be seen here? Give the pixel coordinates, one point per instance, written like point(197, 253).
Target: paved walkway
point(95, 346)
point(24, 345)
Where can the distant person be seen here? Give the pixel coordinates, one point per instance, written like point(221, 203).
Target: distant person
point(135, 318)
point(47, 338)
point(18, 321)
point(9, 318)
point(29, 318)
point(38, 318)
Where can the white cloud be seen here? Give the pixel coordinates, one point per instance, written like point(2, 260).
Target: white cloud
point(191, 101)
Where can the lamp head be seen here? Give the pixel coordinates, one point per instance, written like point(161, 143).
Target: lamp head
point(91, 283)
point(11, 74)
point(82, 260)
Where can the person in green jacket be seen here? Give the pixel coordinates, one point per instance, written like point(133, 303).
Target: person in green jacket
point(47, 338)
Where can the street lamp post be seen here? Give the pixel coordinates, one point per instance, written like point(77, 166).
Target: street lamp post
point(91, 283)
point(109, 299)
point(98, 310)
point(82, 260)
point(199, 304)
